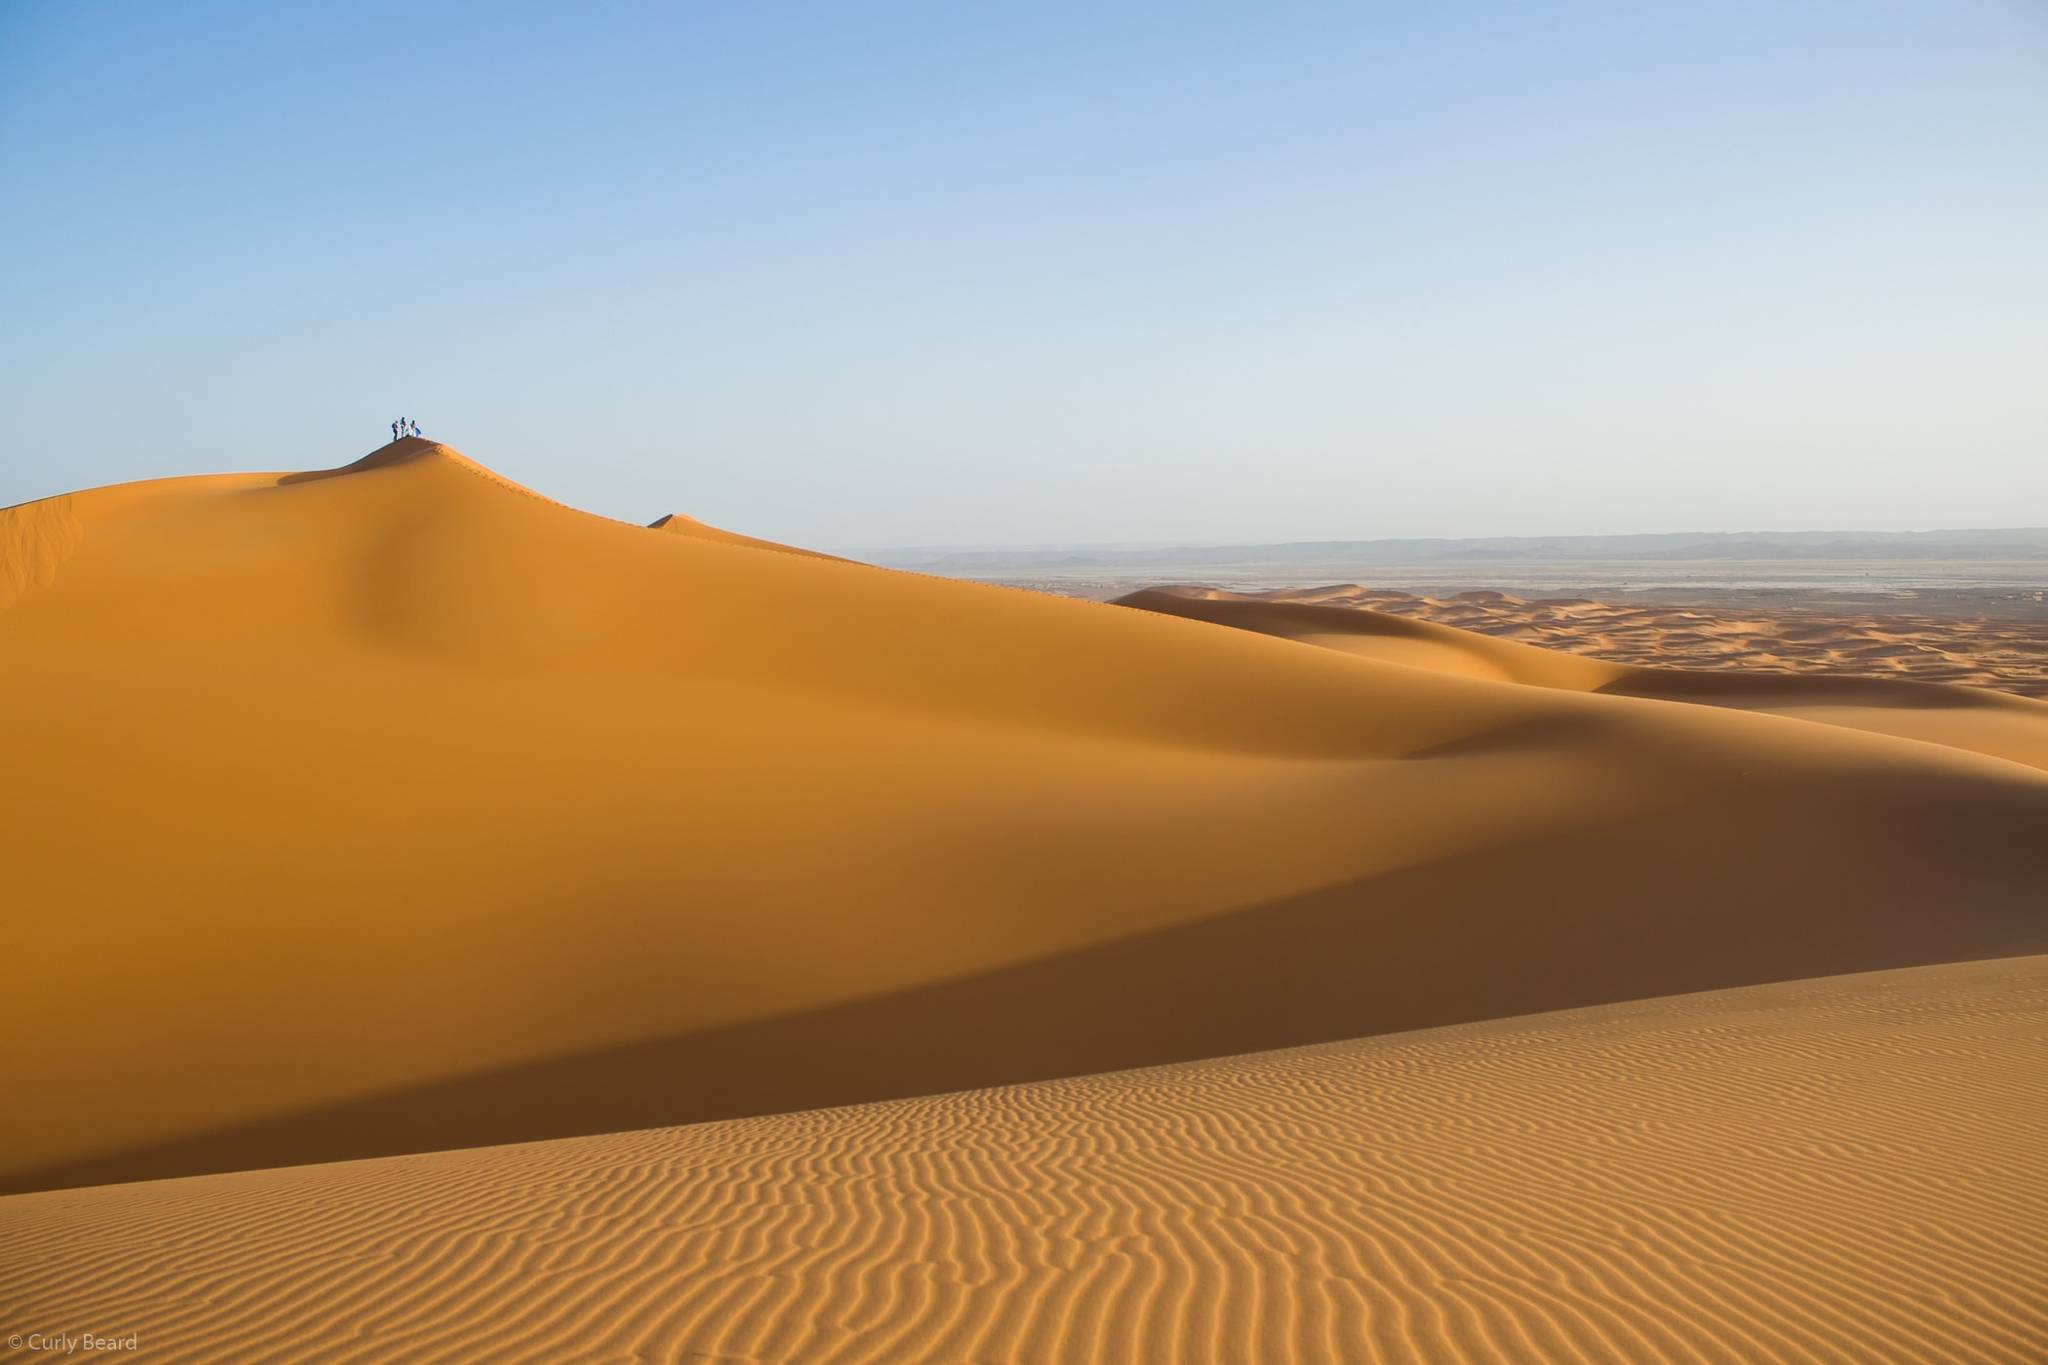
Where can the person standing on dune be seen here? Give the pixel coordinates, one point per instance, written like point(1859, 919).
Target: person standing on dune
point(394, 431)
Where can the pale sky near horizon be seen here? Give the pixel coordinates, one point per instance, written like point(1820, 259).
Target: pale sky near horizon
point(874, 275)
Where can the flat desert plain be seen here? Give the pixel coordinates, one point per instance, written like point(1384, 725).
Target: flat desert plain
point(444, 924)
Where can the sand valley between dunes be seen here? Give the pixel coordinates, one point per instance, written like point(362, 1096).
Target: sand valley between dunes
point(446, 924)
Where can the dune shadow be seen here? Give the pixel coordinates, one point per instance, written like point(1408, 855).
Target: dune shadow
point(1710, 688)
point(1653, 905)
point(1544, 730)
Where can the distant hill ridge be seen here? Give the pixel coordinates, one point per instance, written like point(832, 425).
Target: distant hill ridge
point(2011, 543)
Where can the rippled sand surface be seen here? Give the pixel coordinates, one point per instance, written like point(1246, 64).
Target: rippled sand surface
point(1844, 1169)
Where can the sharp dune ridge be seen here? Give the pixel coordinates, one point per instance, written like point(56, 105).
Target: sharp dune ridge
point(1815, 1171)
point(34, 539)
point(396, 807)
point(676, 524)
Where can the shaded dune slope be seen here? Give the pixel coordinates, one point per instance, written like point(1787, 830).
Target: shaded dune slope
point(399, 807)
point(1971, 718)
point(1816, 1171)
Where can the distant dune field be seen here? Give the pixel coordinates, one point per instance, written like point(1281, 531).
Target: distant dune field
point(396, 808)
point(1845, 639)
point(1837, 1170)
point(1979, 719)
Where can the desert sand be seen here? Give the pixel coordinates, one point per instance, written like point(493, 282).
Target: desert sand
point(1830, 635)
point(1846, 1169)
point(1983, 720)
point(395, 808)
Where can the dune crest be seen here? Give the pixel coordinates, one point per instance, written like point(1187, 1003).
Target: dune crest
point(402, 451)
point(403, 808)
point(418, 451)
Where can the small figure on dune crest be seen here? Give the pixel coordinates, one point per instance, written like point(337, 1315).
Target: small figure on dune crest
point(394, 431)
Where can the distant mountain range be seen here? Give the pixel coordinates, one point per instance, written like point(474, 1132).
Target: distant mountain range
point(2015, 543)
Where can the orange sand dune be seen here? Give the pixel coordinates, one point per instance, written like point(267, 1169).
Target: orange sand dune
point(2009, 653)
point(1970, 718)
point(397, 807)
point(1820, 1171)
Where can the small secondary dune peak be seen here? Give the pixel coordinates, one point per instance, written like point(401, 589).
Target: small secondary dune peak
point(675, 523)
point(397, 807)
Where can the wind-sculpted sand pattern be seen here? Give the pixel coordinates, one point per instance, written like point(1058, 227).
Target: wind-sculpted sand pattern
point(1844, 1169)
point(2011, 655)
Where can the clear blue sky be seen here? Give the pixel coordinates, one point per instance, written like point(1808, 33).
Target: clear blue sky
point(866, 275)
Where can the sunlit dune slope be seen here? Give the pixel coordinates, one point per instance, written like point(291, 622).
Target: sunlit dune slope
point(1845, 1169)
point(397, 807)
point(1970, 718)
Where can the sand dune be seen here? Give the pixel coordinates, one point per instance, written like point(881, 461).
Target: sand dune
point(2009, 653)
point(1971, 718)
point(397, 807)
point(1847, 1169)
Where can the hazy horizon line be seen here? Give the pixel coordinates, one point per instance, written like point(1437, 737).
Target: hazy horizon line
point(1127, 546)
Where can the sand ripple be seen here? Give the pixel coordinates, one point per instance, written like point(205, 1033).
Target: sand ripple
point(1851, 1168)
